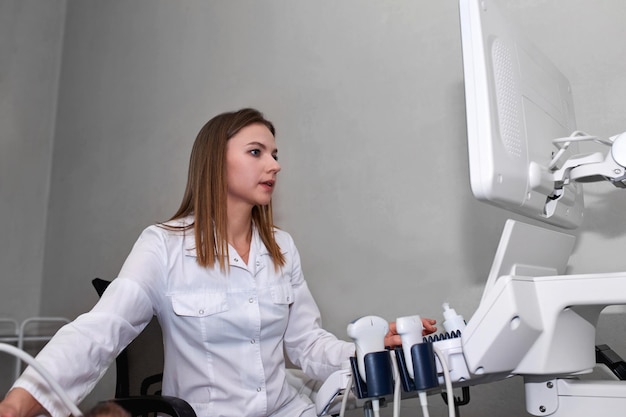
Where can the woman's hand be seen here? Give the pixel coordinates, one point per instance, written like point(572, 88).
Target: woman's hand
point(392, 339)
point(7, 410)
point(19, 403)
point(429, 326)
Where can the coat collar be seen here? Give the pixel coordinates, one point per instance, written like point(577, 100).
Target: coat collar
point(189, 243)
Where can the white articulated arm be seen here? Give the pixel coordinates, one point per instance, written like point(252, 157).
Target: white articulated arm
point(596, 166)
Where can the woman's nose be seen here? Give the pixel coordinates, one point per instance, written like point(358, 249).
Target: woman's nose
point(274, 165)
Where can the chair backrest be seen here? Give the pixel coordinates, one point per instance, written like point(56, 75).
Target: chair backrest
point(140, 366)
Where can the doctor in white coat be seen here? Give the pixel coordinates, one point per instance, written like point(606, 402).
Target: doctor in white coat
point(226, 286)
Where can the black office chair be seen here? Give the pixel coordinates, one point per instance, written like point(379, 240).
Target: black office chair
point(139, 374)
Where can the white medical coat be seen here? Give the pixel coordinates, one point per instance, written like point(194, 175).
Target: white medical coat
point(225, 334)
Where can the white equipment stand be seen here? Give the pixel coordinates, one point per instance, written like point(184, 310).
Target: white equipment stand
point(543, 328)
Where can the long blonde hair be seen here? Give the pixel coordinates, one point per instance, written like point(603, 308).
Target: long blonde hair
point(205, 193)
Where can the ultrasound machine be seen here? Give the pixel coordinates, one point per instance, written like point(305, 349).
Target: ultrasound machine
point(533, 320)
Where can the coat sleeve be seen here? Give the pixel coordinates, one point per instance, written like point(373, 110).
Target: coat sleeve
point(316, 351)
point(80, 352)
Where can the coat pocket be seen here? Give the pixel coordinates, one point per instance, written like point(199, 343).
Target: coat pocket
point(282, 294)
point(199, 304)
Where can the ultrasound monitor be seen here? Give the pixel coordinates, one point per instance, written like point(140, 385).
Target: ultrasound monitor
point(517, 103)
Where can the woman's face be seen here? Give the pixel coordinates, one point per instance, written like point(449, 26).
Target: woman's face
point(251, 166)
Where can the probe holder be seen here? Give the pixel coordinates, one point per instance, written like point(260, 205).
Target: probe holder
point(379, 373)
point(424, 368)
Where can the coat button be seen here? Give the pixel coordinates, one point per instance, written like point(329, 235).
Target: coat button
point(201, 311)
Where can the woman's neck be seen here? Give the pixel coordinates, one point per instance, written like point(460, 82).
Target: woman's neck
point(240, 233)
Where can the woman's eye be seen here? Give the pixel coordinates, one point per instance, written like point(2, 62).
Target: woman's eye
point(275, 157)
point(255, 152)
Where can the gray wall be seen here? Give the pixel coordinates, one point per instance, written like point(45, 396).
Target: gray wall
point(30, 57)
point(368, 101)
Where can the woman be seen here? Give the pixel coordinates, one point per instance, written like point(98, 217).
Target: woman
point(225, 284)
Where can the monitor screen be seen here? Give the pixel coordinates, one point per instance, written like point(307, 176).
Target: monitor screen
point(517, 102)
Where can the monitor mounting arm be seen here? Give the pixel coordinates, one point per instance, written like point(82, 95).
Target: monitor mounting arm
point(593, 167)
